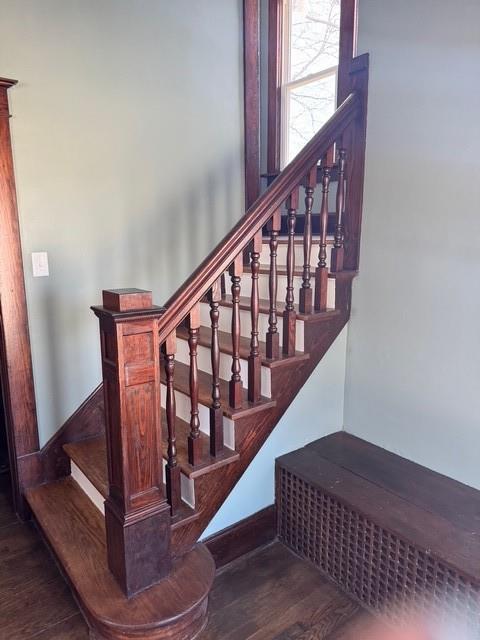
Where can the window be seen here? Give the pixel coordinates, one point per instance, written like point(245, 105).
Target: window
point(310, 56)
point(311, 44)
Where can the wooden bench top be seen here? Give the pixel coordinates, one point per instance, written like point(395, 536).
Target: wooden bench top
point(423, 507)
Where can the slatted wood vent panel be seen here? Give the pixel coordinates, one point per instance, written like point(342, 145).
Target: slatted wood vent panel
point(385, 571)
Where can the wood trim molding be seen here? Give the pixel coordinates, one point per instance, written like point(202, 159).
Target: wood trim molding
point(275, 22)
point(243, 537)
point(348, 44)
point(251, 65)
point(88, 421)
point(348, 47)
point(16, 362)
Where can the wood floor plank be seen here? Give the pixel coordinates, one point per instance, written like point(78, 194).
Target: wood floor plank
point(37, 607)
point(74, 628)
point(274, 595)
point(7, 516)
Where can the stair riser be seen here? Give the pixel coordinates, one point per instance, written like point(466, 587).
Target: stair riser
point(204, 364)
point(282, 255)
point(183, 407)
point(225, 324)
point(246, 287)
point(187, 487)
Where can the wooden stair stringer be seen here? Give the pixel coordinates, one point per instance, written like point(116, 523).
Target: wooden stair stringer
point(212, 489)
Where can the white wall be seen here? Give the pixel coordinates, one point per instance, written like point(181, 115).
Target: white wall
point(413, 360)
point(127, 133)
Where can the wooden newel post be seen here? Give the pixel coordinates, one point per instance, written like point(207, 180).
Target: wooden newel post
point(137, 515)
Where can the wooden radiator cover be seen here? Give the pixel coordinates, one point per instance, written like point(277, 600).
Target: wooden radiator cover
point(383, 571)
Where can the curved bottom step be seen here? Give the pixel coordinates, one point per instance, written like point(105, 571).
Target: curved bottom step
point(174, 609)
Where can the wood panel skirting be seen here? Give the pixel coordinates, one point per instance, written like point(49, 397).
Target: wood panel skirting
point(243, 537)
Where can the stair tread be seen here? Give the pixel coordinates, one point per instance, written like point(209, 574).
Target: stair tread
point(264, 307)
point(225, 344)
point(182, 384)
point(298, 240)
point(298, 272)
point(207, 462)
point(75, 530)
point(90, 456)
point(377, 484)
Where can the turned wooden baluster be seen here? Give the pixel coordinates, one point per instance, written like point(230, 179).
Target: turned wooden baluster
point(172, 470)
point(236, 386)
point(321, 272)
point(336, 261)
point(254, 360)
point(194, 441)
point(306, 301)
point(216, 415)
point(289, 315)
point(273, 337)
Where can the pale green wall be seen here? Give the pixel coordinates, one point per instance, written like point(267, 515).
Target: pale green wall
point(413, 359)
point(127, 133)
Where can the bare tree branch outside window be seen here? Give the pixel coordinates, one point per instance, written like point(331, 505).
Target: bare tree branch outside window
point(311, 77)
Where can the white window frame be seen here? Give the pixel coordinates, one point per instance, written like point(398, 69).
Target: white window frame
point(287, 86)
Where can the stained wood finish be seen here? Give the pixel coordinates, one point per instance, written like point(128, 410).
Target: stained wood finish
point(251, 66)
point(225, 345)
point(36, 601)
point(91, 458)
point(274, 594)
point(348, 46)
point(222, 257)
point(137, 515)
point(16, 377)
point(236, 386)
point(74, 528)
point(245, 407)
point(193, 325)
point(336, 260)
point(254, 362)
point(275, 20)
point(421, 521)
point(129, 368)
point(172, 470)
point(321, 272)
point(252, 429)
point(289, 317)
point(354, 140)
point(272, 339)
point(88, 421)
point(306, 298)
point(264, 307)
point(243, 537)
point(216, 416)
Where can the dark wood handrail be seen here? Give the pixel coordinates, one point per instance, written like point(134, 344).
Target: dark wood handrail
point(218, 261)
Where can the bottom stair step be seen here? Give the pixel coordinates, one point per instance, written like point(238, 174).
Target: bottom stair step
point(75, 531)
point(90, 456)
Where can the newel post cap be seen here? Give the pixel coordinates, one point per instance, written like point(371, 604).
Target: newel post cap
point(121, 300)
point(126, 303)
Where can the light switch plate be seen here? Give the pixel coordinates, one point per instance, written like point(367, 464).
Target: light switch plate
point(40, 264)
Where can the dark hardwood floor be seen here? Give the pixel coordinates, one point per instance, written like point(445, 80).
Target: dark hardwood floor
point(35, 602)
point(269, 595)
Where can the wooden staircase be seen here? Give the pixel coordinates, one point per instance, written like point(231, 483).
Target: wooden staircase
point(193, 389)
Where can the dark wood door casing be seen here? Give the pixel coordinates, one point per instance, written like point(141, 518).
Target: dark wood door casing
point(15, 354)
